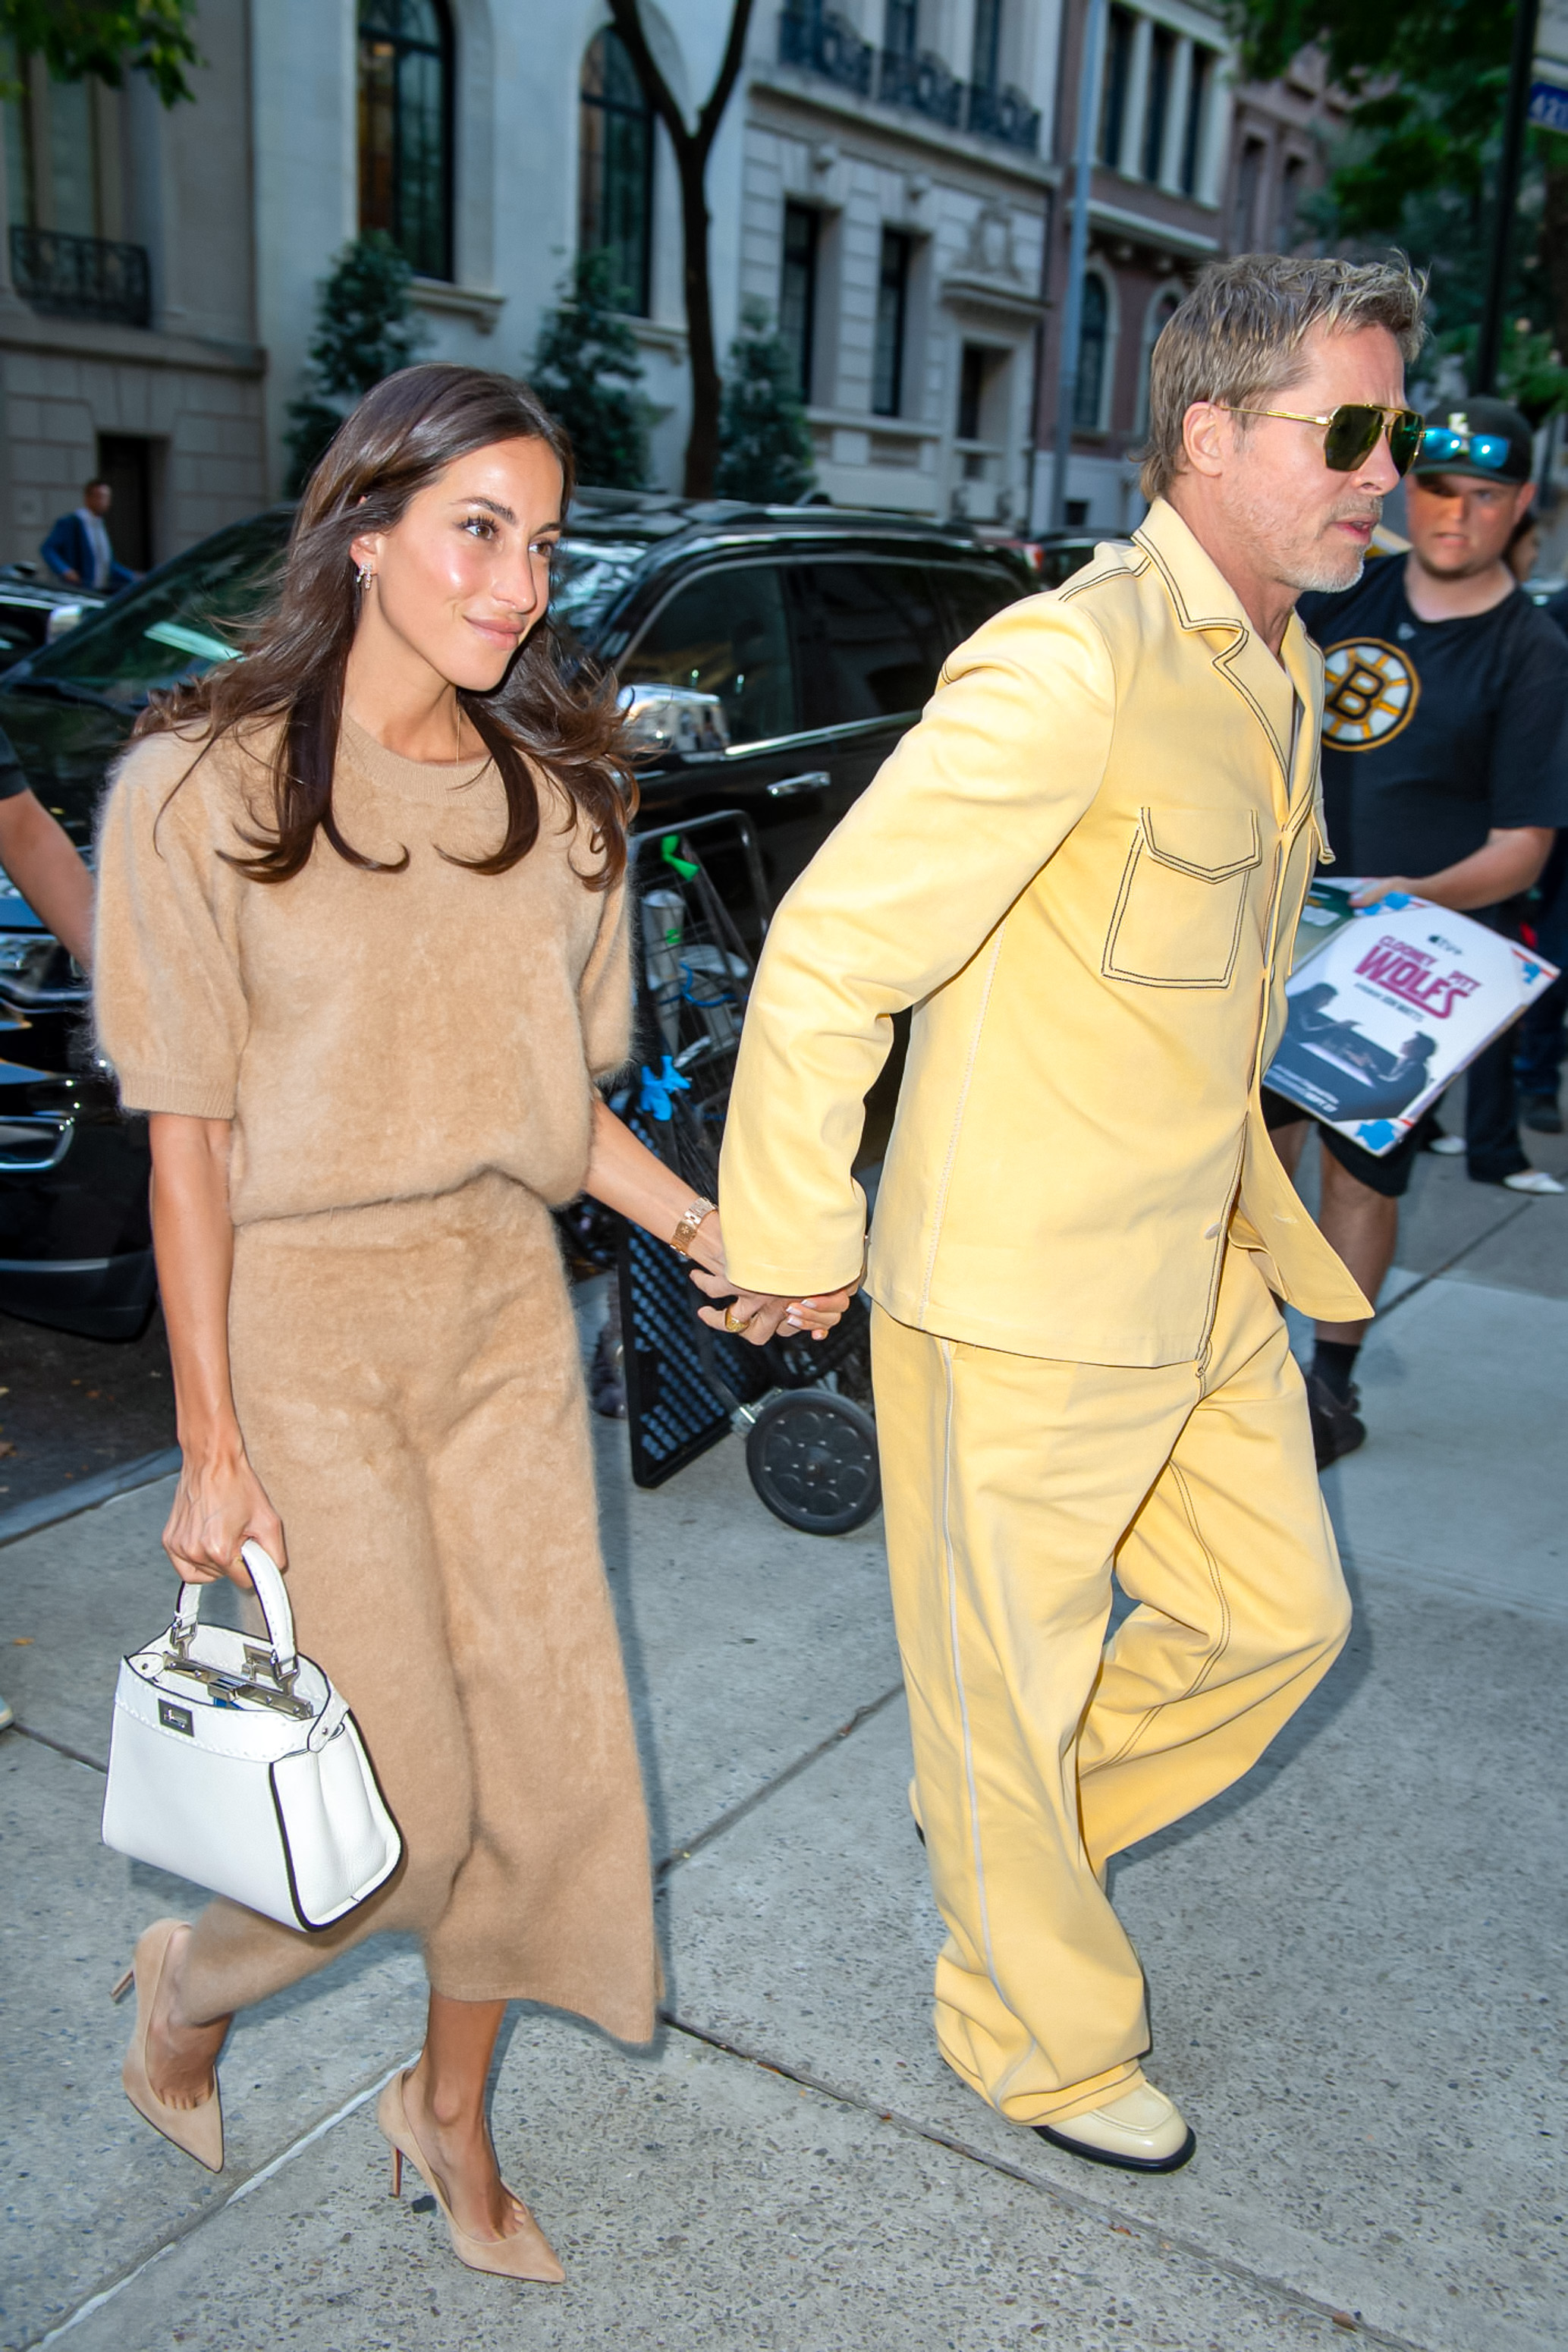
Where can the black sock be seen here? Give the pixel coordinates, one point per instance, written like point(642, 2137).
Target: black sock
point(1335, 1364)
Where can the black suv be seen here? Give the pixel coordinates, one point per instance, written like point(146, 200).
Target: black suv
point(772, 658)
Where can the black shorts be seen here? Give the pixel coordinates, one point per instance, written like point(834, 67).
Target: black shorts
point(1387, 1172)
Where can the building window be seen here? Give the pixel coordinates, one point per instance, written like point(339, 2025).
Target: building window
point(52, 164)
point(986, 60)
point(971, 390)
point(405, 128)
point(1291, 181)
point(1094, 333)
point(1118, 75)
point(797, 291)
point(615, 170)
point(1249, 177)
point(901, 27)
point(1196, 109)
point(892, 323)
point(1162, 66)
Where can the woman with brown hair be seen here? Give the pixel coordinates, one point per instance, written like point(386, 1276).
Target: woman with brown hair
point(361, 953)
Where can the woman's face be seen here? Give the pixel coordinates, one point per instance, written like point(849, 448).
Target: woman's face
point(464, 576)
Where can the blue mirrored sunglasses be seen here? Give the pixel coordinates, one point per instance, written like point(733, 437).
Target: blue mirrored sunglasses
point(1441, 444)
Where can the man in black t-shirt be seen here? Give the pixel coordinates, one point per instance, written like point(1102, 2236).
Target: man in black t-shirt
point(1444, 774)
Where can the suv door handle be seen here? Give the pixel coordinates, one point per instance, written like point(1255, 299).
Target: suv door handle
point(815, 780)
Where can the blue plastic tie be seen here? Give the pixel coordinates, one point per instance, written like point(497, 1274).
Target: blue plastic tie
point(655, 1096)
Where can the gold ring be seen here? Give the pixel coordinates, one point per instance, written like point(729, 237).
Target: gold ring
point(733, 1322)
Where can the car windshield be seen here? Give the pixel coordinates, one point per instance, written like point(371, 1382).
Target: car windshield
point(586, 575)
point(173, 624)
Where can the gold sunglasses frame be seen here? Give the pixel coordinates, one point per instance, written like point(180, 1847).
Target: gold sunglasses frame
point(1294, 416)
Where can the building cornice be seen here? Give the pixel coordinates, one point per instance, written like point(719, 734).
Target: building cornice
point(23, 329)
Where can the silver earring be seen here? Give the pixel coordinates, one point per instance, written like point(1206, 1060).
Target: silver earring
point(367, 572)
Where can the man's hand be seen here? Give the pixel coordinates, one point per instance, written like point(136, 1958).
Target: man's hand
point(760, 1314)
point(1367, 894)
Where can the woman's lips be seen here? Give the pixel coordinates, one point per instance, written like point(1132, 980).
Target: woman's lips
point(500, 633)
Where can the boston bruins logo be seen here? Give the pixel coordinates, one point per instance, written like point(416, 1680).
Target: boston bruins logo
point(1369, 693)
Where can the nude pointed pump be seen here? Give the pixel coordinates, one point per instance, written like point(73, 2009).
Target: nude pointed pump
point(199, 2131)
point(526, 2253)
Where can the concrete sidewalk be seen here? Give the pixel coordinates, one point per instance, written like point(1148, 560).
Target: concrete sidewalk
point(1356, 1959)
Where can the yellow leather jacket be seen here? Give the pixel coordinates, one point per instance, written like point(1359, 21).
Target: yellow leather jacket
point(1083, 869)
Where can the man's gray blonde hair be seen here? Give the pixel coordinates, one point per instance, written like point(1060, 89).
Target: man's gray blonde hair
point(1238, 338)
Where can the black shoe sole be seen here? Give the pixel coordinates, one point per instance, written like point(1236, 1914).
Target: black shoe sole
point(1183, 2154)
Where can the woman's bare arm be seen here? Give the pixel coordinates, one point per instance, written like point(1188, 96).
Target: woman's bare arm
point(41, 859)
point(220, 1501)
point(626, 1176)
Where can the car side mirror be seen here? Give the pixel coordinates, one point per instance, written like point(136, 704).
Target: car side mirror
point(673, 722)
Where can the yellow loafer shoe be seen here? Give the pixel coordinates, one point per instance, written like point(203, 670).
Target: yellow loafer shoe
point(1143, 2131)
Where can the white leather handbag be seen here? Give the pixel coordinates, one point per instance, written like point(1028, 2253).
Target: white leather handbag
point(238, 1765)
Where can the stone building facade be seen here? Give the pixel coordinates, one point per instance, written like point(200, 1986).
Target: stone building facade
point(1189, 164)
point(128, 334)
point(887, 184)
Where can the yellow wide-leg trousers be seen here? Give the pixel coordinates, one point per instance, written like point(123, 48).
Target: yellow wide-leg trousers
point(1015, 1487)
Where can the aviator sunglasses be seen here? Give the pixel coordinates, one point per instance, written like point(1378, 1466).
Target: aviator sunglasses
point(1351, 434)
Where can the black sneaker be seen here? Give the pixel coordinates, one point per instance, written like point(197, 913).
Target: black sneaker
point(1541, 1112)
point(1337, 1427)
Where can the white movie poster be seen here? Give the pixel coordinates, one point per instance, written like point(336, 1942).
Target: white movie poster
point(1388, 1003)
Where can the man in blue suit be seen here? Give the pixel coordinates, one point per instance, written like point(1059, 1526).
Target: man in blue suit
point(78, 549)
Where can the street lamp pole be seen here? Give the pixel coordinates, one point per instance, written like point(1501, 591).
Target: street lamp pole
point(1078, 254)
point(1521, 66)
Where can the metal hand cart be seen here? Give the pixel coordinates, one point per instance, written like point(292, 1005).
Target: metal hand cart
point(804, 1407)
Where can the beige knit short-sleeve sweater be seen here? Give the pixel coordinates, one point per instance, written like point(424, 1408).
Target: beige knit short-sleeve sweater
point(372, 1036)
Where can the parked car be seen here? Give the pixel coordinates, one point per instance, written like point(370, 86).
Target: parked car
point(35, 608)
point(772, 658)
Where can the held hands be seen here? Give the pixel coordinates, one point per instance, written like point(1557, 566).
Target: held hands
point(220, 1504)
point(758, 1313)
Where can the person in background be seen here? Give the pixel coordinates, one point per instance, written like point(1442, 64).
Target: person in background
point(78, 549)
point(1446, 700)
point(38, 858)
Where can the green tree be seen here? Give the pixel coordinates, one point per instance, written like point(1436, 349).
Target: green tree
point(105, 37)
point(365, 329)
point(1426, 81)
point(764, 441)
point(588, 371)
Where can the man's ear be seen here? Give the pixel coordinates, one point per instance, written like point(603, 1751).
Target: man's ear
point(1525, 500)
point(1209, 435)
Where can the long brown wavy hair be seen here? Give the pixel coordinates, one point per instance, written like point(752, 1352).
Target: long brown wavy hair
point(399, 439)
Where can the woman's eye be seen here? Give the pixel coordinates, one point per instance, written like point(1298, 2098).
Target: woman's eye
point(482, 525)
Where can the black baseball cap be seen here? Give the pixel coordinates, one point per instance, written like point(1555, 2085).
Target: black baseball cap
point(1478, 435)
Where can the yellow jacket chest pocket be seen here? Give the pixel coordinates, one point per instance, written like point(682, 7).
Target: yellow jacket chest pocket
point(1179, 911)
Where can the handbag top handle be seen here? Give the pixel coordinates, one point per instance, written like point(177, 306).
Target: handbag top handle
point(267, 1578)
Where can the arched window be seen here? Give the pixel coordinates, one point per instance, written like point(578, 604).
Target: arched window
point(1093, 335)
point(615, 168)
point(405, 128)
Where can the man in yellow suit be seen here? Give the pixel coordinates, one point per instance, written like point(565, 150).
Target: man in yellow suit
point(1084, 870)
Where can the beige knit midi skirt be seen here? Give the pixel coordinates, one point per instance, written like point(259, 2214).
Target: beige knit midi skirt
point(409, 1388)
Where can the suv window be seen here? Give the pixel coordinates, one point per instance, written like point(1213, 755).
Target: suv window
point(725, 633)
point(173, 624)
point(974, 591)
point(882, 639)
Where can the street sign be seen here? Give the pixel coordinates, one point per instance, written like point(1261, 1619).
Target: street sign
point(1549, 105)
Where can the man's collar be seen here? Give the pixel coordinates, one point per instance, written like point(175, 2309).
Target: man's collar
point(1204, 598)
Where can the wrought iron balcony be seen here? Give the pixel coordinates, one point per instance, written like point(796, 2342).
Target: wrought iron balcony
point(821, 41)
point(1004, 115)
point(81, 276)
point(922, 84)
